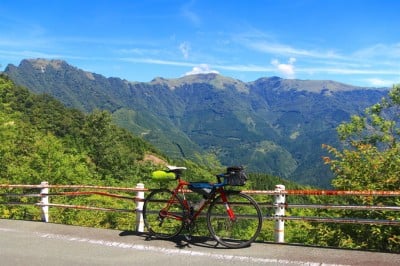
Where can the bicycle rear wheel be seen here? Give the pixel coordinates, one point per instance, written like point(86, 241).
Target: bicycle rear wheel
point(163, 213)
point(240, 231)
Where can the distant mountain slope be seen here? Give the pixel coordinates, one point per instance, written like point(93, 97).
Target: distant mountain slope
point(270, 125)
point(41, 139)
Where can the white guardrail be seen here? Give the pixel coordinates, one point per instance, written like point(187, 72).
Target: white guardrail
point(280, 205)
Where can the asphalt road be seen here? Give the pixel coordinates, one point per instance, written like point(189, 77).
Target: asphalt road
point(37, 243)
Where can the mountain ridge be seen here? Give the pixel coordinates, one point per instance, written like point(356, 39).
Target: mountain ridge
point(213, 78)
point(270, 125)
point(221, 82)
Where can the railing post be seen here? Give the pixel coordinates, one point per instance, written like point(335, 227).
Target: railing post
point(139, 208)
point(44, 201)
point(279, 203)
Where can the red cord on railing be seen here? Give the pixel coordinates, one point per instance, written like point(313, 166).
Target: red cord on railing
point(327, 192)
point(279, 204)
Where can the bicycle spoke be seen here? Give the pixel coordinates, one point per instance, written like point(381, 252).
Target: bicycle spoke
point(163, 214)
point(241, 229)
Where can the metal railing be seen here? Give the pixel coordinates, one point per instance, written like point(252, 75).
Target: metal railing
point(279, 204)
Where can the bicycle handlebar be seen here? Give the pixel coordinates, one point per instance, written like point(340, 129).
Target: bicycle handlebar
point(219, 176)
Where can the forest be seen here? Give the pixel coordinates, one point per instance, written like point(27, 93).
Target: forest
point(42, 140)
point(272, 125)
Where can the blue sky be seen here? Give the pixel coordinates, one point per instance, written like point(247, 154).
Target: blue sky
point(351, 41)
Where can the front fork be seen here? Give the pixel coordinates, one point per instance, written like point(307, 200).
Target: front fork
point(229, 210)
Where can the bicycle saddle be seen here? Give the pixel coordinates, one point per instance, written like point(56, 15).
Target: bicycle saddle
point(173, 168)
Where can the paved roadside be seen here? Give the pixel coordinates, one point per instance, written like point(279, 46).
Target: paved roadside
point(37, 243)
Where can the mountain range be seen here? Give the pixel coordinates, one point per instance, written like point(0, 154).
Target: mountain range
point(271, 125)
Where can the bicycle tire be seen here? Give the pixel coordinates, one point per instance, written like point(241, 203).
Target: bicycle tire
point(167, 226)
point(244, 229)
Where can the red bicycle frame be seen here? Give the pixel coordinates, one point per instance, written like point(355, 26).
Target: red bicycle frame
point(179, 189)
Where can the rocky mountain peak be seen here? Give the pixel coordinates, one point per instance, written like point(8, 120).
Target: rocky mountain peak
point(314, 86)
point(42, 64)
point(216, 80)
point(269, 125)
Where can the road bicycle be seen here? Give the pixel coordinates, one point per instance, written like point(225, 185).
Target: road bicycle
point(234, 219)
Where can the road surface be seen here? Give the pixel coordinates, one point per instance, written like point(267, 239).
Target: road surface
point(37, 243)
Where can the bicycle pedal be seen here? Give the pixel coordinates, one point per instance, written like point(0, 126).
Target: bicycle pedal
point(188, 237)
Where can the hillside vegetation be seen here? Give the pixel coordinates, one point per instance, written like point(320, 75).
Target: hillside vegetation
point(42, 140)
point(271, 125)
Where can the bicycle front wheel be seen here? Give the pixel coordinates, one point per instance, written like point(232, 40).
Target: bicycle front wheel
point(163, 213)
point(241, 229)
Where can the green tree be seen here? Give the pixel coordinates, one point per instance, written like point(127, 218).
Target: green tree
point(369, 160)
point(55, 163)
point(42, 140)
point(114, 151)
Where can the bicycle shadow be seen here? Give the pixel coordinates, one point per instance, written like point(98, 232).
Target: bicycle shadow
point(180, 241)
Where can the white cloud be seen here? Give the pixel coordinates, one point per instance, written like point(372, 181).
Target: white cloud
point(28, 54)
point(201, 69)
point(347, 71)
point(189, 14)
point(263, 43)
point(282, 49)
point(380, 82)
point(292, 60)
point(245, 68)
point(185, 47)
point(139, 51)
point(156, 61)
point(285, 69)
point(379, 50)
point(238, 68)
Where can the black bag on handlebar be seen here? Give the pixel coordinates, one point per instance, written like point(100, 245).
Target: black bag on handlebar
point(235, 176)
